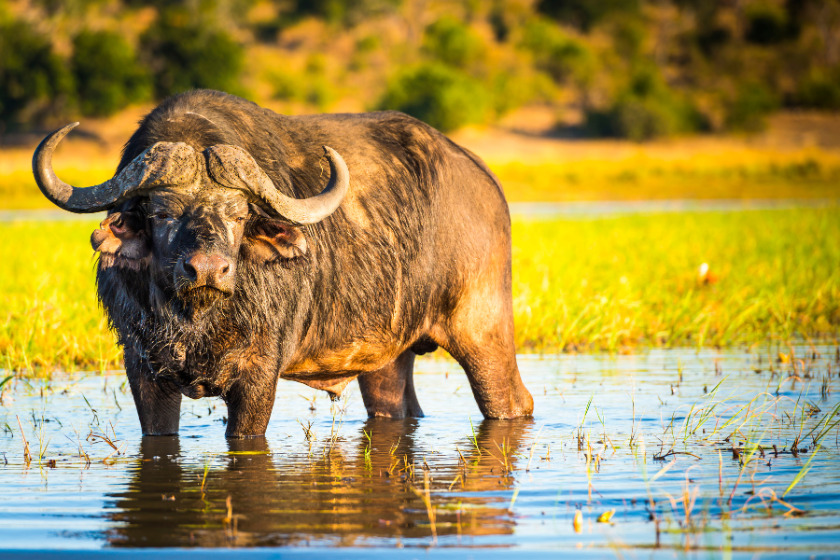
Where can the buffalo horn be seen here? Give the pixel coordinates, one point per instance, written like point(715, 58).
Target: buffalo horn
point(164, 163)
point(233, 167)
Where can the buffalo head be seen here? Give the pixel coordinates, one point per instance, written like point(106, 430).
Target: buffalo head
point(191, 215)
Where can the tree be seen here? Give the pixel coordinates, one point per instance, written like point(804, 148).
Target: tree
point(185, 52)
point(108, 75)
point(34, 83)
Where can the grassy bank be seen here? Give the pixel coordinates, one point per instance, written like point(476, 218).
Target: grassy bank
point(547, 170)
point(617, 284)
point(637, 176)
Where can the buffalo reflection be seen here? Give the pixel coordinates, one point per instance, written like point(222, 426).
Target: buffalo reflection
point(364, 493)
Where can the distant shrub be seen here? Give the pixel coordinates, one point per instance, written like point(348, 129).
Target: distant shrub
point(646, 109)
point(311, 87)
point(35, 84)
point(584, 14)
point(449, 41)
point(344, 12)
point(749, 108)
point(818, 91)
point(556, 52)
point(439, 95)
point(186, 53)
point(512, 88)
point(108, 75)
point(767, 24)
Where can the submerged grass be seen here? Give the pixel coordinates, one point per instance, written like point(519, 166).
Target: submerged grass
point(603, 284)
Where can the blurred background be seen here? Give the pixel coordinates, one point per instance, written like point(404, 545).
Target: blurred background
point(624, 68)
point(516, 80)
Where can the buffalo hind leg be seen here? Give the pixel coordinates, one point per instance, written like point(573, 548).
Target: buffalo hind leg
point(158, 402)
point(389, 392)
point(480, 337)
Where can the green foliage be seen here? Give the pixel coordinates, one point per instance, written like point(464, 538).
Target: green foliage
point(439, 95)
point(34, 83)
point(818, 91)
point(584, 14)
point(185, 52)
point(342, 12)
point(647, 108)
point(108, 75)
point(748, 109)
point(556, 52)
point(514, 87)
point(767, 24)
point(450, 41)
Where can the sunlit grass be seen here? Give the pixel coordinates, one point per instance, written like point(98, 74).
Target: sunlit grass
point(587, 171)
point(50, 318)
point(643, 175)
point(613, 284)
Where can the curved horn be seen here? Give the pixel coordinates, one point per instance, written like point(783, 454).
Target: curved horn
point(164, 163)
point(233, 167)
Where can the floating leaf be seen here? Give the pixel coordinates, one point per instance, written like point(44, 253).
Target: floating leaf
point(606, 516)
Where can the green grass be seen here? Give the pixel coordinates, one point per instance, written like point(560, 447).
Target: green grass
point(50, 317)
point(616, 284)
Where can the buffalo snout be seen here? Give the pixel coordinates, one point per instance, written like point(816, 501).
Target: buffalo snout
point(206, 270)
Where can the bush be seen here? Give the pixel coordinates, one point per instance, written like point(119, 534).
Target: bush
point(818, 91)
point(108, 76)
point(748, 110)
point(767, 24)
point(439, 95)
point(450, 41)
point(584, 14)
point(557, 53)
point(34, 83)
point(186, 53)
point(647, 108)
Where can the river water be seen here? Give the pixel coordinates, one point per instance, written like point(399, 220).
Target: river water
point(692, 452)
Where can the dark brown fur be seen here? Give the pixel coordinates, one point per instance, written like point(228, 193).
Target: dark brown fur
point(418, 255)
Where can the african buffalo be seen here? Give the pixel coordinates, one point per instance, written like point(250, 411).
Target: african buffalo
point(224, 262)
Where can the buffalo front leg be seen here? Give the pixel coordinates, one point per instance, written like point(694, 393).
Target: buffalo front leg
point(249, 404)
point(389, 392)
point(158, 402)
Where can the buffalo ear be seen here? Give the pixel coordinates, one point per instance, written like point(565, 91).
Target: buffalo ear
point(270, 240)
point(121, 241)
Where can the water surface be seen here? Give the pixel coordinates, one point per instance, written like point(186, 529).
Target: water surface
point(693, 452)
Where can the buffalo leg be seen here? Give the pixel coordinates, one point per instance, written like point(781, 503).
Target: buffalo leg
point(479, 336)
point(249, 404)
point(389, 392)
point(158, 402)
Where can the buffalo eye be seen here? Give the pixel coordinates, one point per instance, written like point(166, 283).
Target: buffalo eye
point(160, 216)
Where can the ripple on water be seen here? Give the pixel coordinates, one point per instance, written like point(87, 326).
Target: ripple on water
point(677, 488)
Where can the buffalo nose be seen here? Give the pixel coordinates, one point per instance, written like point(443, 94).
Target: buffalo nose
point(201, 269)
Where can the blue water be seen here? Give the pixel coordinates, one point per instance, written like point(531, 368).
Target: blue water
point(648, 435)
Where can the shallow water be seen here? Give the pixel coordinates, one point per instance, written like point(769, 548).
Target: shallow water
point(649, 435)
